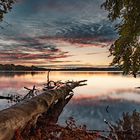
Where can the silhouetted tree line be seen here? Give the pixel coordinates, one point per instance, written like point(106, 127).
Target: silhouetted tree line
point(12, 67)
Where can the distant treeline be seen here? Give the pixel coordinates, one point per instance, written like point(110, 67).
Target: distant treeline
point(87, 69)
point(12, 67)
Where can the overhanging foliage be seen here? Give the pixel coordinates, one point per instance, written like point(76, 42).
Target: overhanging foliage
point(126, 49)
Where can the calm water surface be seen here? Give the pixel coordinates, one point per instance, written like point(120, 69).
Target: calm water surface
point(89, 103)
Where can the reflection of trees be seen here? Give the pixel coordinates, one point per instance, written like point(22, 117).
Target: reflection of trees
point(84, 73)
point(13, 74)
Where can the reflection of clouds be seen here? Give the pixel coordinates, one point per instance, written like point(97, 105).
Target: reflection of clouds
point(18, 80)
point(100, 85)
point(92, 112)
point(126, 94)
point(132, 95)
point(89, 103)
point(115, 95)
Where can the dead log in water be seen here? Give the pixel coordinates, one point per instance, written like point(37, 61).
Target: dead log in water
point(54, 112)
point(17, 117)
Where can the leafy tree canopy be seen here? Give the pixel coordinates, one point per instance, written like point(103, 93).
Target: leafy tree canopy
point(126, 49)
point(5, 6)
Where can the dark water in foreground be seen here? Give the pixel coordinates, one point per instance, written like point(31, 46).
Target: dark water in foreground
point(89, 103)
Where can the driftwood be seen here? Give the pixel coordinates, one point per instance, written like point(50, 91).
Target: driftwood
point(52, 115)
point(45, 121)
point(17, 117)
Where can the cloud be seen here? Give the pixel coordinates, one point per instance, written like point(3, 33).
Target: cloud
point(46, 31)
point(61, 7)
point(101, 31)
point(47, 16)
point(29, 49)
point(58, 61)
point(69, 19)
point(63, 64)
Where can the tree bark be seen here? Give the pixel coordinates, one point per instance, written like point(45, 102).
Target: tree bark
point(16, 117)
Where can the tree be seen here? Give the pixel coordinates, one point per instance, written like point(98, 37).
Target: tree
point(5, 6)
point(126, 49)
point(27, 111)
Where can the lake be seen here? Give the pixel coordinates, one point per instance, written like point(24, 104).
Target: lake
point(89, 103)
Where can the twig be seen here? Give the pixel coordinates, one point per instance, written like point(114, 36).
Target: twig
point(112, 128)
point(30, 94)
point(107, 109)
point(48, 76)
point(7, 98)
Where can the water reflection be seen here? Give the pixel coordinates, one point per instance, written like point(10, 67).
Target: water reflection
point(92, 112)
point(13, 74)
point(89, 102)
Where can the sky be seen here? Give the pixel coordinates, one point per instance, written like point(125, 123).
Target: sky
point(56, 34)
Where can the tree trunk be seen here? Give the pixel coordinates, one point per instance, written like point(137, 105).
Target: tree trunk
point(16, 117)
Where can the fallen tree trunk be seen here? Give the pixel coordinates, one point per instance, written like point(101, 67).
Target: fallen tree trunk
point(54, 112)
point(16, 117)
point(44, 122)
